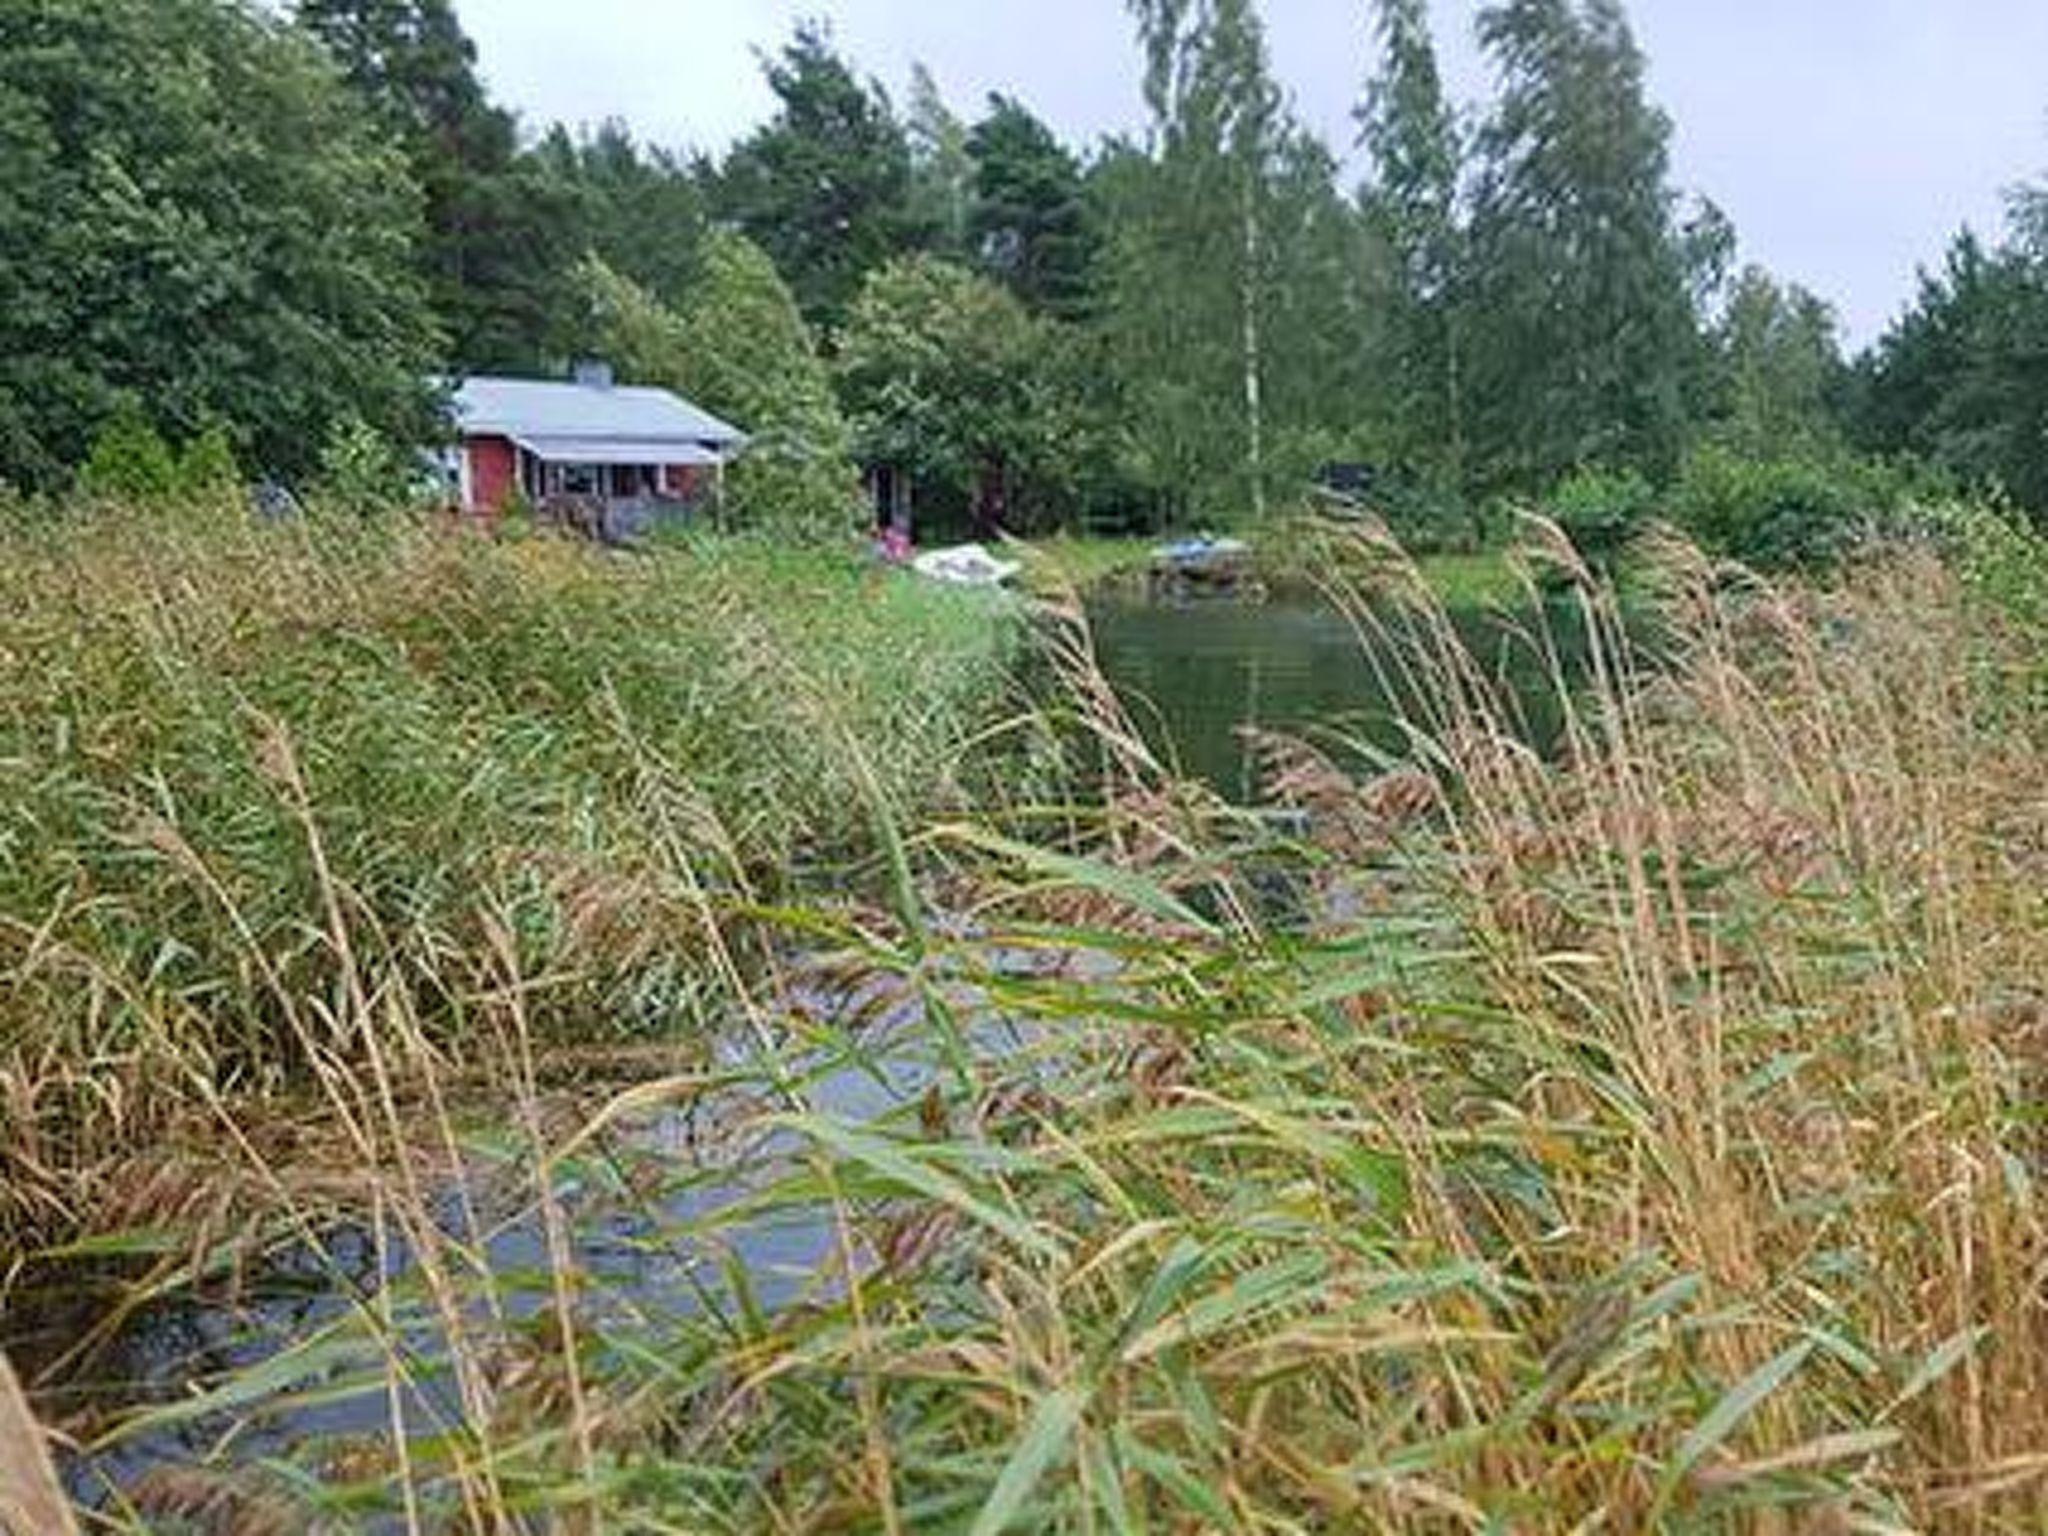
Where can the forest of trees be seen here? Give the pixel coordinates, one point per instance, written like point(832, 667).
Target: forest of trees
point(264, 234)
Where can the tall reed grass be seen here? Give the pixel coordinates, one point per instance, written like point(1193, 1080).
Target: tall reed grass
point(1642, 1137)
point(240, 765)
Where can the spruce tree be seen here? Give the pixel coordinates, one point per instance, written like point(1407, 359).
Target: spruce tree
point(1415, 153)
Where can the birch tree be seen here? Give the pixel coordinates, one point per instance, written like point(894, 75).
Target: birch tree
point(1587, 346)
point(1217, 123)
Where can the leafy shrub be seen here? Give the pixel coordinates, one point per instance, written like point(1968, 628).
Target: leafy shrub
point(1600, 510)
point(207, 470)
point(359, 470)
point(130, 461)
point(1424, 511)
point(1802, 512)
point(519, 517)
point(18, 509)
point(741, 350)
point(1431, 517)
point(1999, 559)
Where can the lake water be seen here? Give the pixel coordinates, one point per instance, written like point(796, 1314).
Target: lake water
point(642, 1261)
point(1194, 674)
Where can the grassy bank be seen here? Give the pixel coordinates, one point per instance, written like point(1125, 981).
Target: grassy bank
point(1640, 1139)
point(244, 767)
point(1285, 553)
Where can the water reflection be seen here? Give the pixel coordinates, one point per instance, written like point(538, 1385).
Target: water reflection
point(1194, 674)
point(302, 1357)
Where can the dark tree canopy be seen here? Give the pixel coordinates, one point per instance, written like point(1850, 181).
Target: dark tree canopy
point(1962, 378)
point(412, 58)
point(639, 209)
point(1030, 221)
point(197, 221)
point(502, 232)
point(824, 188)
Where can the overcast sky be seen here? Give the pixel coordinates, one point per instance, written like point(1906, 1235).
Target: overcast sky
point(1848, 139)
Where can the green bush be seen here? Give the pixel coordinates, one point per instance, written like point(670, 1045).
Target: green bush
point(1600, 510)
point(207, 469)
point(2001, 558)
point(359, 470)
point(1799, 512)
point(130, 461)
point(1432, 518)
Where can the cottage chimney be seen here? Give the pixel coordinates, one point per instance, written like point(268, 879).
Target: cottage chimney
point(593, 373)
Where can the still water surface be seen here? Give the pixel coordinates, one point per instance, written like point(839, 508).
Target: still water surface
point(1195, 674)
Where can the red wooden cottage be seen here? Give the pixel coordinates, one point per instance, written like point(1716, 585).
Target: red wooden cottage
point(635, 453)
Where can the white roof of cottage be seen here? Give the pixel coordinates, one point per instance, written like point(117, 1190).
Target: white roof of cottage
point(556, 419)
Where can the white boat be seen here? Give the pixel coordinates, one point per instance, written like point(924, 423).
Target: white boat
point(1201, 553)
point(966, 565)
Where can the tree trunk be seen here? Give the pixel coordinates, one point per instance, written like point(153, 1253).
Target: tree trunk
point(1254, 382)
point(992, 498)
point(1454, 407)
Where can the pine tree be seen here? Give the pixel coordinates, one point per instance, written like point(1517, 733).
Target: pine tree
point(502, 231)
point(1031, 226)
point(824, 188)
point(638, 208)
